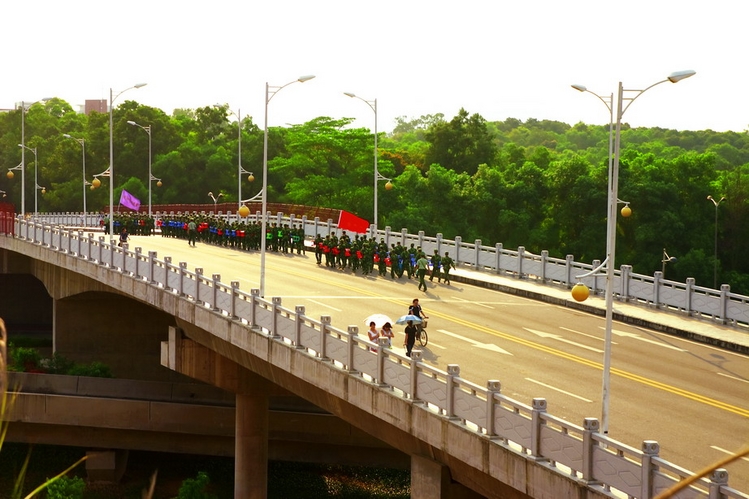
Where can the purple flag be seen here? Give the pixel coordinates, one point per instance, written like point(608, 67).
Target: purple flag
point(129, 201)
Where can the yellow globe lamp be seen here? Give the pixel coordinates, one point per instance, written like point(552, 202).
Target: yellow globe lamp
point(159, 183)
point(251, 178)
point(44, 190)
point(9, 174)
point(388, 185)
point(96, 183)
point(626, 211)
point(92, 187)
point(244, 211)
point(580, 292)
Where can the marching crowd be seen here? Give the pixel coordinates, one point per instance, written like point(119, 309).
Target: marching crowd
point(211, 229)
point(358, 254)
point(366, 254)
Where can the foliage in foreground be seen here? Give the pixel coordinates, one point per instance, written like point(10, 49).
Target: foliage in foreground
point(25, 359)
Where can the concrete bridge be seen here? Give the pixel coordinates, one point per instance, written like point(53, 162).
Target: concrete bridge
point(462, 439)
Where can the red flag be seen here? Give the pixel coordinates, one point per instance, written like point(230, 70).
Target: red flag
point(129, 201)
point(349, 221)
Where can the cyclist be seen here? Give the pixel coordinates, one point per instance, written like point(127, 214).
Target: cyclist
point(415, 309)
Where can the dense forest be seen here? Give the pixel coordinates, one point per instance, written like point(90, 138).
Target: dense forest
point(538, 184)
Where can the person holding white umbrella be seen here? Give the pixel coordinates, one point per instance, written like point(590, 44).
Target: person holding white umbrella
point(373, 334)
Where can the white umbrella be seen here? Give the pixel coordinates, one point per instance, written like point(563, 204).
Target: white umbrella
point(378, 319)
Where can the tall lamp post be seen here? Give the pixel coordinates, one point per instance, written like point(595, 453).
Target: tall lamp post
point(613, 202)
point(270, 91)
point(25, 106)
point(664, 260)
point(147, 129)
point(240, 171)
point(82, 142)
point(715, 255)
point(112, 98)
point(36, 175)
point(377, 177)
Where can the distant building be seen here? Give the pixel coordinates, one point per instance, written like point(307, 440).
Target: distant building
point(98, 105)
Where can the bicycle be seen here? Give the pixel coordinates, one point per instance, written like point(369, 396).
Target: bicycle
point(421, 334)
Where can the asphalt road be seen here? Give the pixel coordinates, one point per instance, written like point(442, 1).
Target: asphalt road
point(691, 398)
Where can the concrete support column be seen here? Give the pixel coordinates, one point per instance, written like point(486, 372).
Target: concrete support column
point(429, 479)
point(251, 445)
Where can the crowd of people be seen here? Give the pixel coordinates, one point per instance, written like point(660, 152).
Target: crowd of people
point(211, 229)
point(369, 256)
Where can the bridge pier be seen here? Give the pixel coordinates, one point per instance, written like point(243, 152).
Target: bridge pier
point(251, 444)
point(431, 479)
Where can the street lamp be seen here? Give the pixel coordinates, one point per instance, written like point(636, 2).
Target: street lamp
point(82, 142)
point(36, 174)
point(25, 106)
point(613, 202)
point(270, 91)
point(147, 129)
point(110, 170)
point(664, 260)
point(215, 200)
point(240, 171)
point(373, 105)
point(715, 257)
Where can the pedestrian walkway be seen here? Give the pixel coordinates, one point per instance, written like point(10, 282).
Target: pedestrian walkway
point(672, 322)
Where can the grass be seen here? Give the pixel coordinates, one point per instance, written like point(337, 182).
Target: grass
point(285, 480)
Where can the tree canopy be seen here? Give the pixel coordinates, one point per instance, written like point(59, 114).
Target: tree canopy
point(539, 184)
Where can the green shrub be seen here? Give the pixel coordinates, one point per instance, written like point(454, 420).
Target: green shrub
point(66, 488)
point(57, 364)
point(94, 369)
point(24, 359)
point(195, 488)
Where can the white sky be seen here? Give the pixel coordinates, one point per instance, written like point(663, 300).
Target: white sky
point(497, 58)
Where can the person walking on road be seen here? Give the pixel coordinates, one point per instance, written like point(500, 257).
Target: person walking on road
point(192, 233)
point(408, 342)
point(387, 332)
point(447, 264)
point(373, 334)
point(421, 270)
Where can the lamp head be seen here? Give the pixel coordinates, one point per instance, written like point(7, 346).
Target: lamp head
point(67, 135)
point(304, 78)
point(132, 123)
point(349, 94)
point(681, 75)
point(140, 85)
point(580, 88)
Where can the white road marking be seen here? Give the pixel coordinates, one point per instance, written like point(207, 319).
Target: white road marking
point(325, 305)
point(558, 390)
point(732, 377)
point(474, 303)
point(646, 340)
point(584, 334)
point(719, 449)
point(553, 336)
point(486, 346)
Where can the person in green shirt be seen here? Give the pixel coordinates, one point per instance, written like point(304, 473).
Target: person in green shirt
point(447, 264)
point(421, 270)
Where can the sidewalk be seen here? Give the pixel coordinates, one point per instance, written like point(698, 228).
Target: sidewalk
point(671, 322)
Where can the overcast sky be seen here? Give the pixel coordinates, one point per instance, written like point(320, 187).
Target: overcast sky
point(500, 59)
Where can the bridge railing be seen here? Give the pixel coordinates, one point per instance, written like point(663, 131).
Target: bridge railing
point(582, 453)
point(720, 305)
